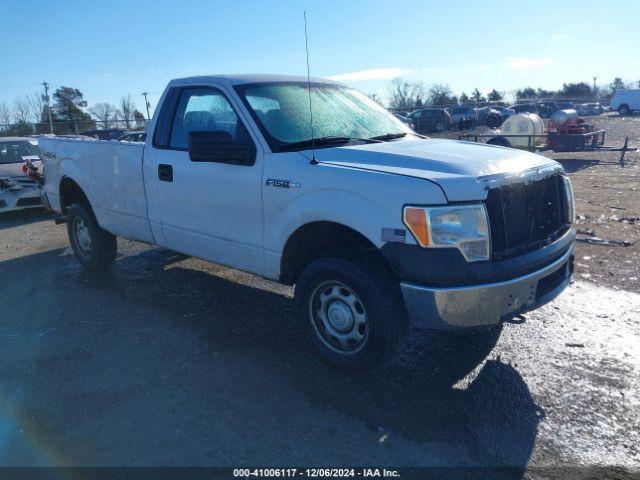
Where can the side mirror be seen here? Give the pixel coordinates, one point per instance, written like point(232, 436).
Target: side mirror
point(219, 146)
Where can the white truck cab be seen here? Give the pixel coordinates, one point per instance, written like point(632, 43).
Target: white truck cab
point(377, 227)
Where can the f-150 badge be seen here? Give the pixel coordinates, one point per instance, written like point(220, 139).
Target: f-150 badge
point(279, 183)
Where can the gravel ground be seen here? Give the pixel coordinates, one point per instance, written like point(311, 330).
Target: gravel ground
point(168, 360)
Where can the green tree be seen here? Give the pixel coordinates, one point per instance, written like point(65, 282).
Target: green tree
point(441, 95)
point(139, 118)
point(476, 96)
point(576, 90)
point(617, 84)
point(542, 93)
point(67, 105)
point(526, 93)
point(464, 98)
point(494, 96)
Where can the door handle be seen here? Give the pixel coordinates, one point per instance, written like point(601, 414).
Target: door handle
point(165, 172)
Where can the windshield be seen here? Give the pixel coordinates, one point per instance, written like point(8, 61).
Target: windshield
point(13, 151)
point(282, 113)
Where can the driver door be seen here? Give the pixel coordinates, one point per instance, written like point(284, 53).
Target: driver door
point(210, 209)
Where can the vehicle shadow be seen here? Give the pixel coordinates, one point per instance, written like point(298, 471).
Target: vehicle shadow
point(24, 217)
point(573, 165)
point(443, 390)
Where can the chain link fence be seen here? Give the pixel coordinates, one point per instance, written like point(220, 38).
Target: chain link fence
point(25, 129)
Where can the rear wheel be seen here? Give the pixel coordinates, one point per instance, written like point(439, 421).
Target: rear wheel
point(439, 127)
point(351, 312)
point(624, 109)
point(94, 247)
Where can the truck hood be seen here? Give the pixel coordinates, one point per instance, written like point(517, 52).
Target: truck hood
point(464, 170)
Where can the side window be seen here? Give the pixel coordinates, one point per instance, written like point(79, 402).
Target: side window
point(206, 110)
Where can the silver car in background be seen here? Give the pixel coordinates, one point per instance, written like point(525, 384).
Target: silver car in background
point(17, 191)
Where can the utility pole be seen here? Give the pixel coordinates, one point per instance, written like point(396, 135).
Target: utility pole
point(146, 103)
point(46, 99)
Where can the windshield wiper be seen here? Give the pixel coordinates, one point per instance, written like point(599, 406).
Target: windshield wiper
point(389, 136)
point(323, 141)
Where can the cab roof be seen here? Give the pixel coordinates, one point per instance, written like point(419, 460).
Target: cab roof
point(241, 79)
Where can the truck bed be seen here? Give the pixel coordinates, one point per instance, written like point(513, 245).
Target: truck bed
point(109, 172)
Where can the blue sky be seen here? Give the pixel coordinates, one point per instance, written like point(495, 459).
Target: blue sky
point(109, 49)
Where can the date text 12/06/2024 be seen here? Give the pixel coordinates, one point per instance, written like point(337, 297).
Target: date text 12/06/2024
point(316, 472)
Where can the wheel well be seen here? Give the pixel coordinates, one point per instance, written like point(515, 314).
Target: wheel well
point(322, 239)
point(70, 193)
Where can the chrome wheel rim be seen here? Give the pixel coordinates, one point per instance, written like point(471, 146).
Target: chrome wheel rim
point(83, 236)
point(338, 317)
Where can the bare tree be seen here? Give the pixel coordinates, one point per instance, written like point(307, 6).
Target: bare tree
point(405, 95)
point(36, 106)
point(117, 117)
point(5, 115)
point(21, 110)
point(103, 112)
point(127, 107)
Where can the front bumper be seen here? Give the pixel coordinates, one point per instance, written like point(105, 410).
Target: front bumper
point(11, 200)
point(487, 304)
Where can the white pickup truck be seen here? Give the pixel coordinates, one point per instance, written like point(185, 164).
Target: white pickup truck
point(377, 227)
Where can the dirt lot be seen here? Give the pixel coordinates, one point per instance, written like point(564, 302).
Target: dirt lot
point(608, 207)
point(167, 360)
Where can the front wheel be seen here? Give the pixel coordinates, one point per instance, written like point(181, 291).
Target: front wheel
point(351, 311)
point(94, 247)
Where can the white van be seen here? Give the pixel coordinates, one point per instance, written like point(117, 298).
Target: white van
point(625, 101)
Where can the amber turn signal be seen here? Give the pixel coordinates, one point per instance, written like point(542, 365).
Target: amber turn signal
point(416, 221)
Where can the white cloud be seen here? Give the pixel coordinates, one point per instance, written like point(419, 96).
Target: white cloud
point(527, 64)
point(371, 74)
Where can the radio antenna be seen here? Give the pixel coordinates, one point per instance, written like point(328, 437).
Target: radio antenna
point(313, 136)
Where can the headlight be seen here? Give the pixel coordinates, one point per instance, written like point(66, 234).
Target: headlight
point(464, 227)
point(568, 192)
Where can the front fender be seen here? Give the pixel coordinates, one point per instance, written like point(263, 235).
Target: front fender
point(363, 200)
point(329, 205)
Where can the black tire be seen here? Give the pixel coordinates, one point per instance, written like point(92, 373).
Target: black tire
point(94, 247)
point(500, 142)
point(494, 120)
point(624, 109)
point(376, 292)
point(439, 127)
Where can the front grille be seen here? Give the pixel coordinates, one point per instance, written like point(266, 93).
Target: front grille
point(28, 202)
point(525, 216)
